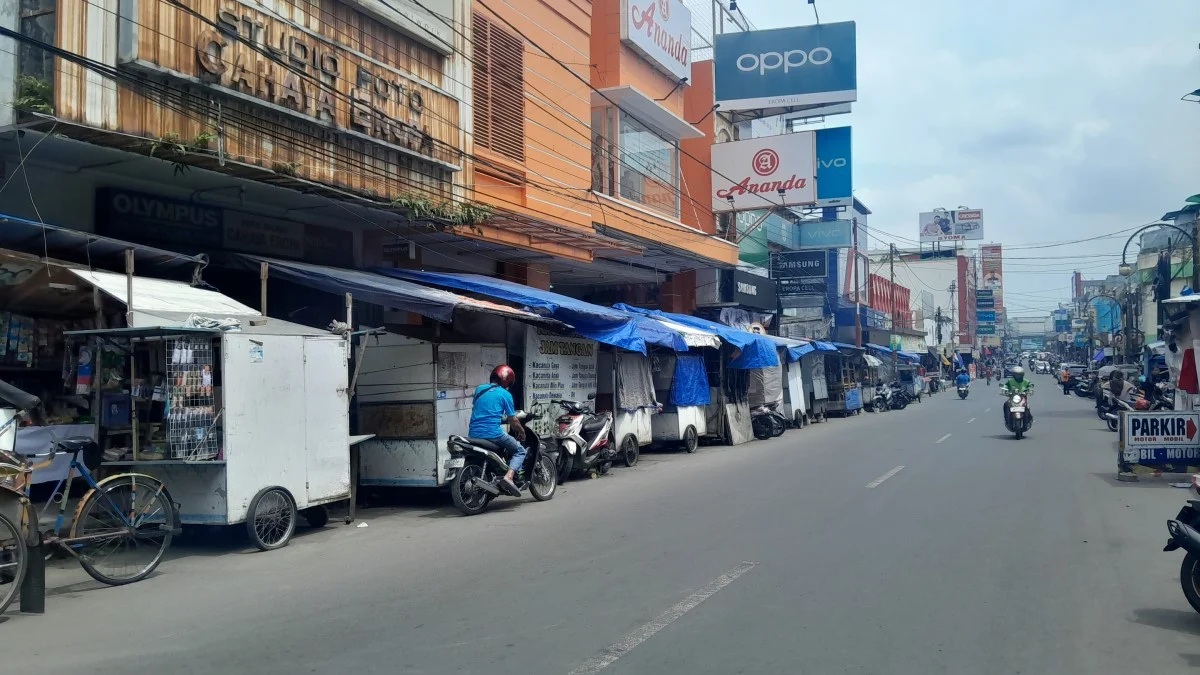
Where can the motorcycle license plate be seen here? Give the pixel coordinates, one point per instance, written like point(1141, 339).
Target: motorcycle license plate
point(1017, 409)
point(455, 463)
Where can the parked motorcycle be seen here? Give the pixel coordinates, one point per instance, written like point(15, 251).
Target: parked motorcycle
point(1085, 388)
point(585, 439)
point(1115, 407)
point(476, 467)
point(767, 421)
point(892, 396)
point(1184, 535)
point(1018, 419)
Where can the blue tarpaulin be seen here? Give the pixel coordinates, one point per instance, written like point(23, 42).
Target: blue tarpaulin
point(602, 324)
point(825, 346)
point(757, 351)
point(878, 348)
point(689, 385)
point(795, 348)
point(915, 358)
point(434, 303)
point(843, 345)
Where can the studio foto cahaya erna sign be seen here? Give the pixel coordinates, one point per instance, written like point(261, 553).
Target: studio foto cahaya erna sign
point(764, 172)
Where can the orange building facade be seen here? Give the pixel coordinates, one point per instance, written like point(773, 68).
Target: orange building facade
point(599, 143)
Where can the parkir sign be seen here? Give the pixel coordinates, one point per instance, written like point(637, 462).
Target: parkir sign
point(1168, 429)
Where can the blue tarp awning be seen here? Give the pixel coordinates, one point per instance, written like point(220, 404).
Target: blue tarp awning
point(878, 348)
point(915, 358)
point(757, 351)
point(843, 345)
point(602, 324)
point(825, 346)
point(434, 303)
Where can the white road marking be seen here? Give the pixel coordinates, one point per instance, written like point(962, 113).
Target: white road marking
point(970, 420)
point(939, 441)
point(988, 410)
point(626, 644)
point(878, 481)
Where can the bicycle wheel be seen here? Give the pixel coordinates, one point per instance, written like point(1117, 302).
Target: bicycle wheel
point(123, 529)
point(14, 558)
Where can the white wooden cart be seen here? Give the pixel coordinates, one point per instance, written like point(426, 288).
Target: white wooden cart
point(255, 417)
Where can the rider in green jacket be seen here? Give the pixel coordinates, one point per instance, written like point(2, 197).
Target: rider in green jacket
point(1017, 384)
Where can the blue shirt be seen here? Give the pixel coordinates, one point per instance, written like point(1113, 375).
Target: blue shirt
point(962, 378)
point(491, 408)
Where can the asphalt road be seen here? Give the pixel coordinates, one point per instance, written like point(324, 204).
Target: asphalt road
point(815, 553)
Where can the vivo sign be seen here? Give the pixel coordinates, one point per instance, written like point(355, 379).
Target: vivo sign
point(786, 67)
point(834, 175)
point(661, 31)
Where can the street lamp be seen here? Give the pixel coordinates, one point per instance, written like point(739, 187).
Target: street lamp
point(1125, 269)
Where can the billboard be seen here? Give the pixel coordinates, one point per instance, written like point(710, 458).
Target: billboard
point(826, 234)
point(799, 265)
point(762, 172)
point(661, 31)
point(834, 177)
point(991, 266)
point(786, 67)
point(951, 225)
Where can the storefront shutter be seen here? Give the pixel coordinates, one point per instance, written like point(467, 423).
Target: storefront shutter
point(499, 88)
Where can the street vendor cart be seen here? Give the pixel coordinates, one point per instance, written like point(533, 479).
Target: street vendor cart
point(843, 376)
point(243, 416)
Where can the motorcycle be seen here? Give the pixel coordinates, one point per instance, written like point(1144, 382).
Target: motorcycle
point(1184, 535)
point(767, 421)
point(891, 396)
point(1086, 388)
point(584, 439)
point(963, 390)
point(1017, 417)
point(476, 467)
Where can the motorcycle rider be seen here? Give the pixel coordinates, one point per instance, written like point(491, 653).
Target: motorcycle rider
point(963, 379)
point(493, 407)
point(1016, 384)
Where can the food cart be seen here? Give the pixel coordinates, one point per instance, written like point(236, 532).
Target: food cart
point(244, 417)
point(844, 376)
point(681, 386)
point(624, 386)
point(874, 379)
point(816, 390)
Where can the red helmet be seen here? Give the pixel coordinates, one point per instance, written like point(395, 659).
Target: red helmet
point(503, 375)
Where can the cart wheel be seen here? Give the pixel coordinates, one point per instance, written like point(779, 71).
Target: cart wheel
point(690, 439)
point(630, 450)
point(271, 519)
point(316, 516)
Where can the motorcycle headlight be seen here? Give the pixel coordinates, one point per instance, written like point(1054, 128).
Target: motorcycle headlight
point(1018, 399)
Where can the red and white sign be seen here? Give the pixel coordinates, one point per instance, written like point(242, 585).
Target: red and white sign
point(763, 172)
point(661, 30)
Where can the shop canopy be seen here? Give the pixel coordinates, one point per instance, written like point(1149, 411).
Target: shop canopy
point(84, 247)
point(757, 351)
point(915, 358)
point(158, 302)
point(602, 324)
point(694, 337)
point(795, 348)
point(383, 290)
point(844, 345)
point(872, 361)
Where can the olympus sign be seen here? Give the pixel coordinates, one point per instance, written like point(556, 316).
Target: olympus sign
point(792, 58)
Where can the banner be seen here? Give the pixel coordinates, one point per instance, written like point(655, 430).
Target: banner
point(786, 67)
point(991, 267)
point(556, 367)
point(961, 225)
point(764, 172)
point(834, 177)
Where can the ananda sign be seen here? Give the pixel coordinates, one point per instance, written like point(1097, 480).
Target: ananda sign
point(764, 172)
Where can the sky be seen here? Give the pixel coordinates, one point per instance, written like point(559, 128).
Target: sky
point(1061, 119)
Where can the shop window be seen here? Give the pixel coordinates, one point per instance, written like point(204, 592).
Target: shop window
point(37, 22)
point(634, 163)
point(499, 89)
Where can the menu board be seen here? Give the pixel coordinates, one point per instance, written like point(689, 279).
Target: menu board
point(556, 367)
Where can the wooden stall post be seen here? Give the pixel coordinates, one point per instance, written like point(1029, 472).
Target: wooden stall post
point(262, 287)
point(129, 287)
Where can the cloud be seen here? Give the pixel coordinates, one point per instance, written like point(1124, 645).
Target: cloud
point(1060, 123)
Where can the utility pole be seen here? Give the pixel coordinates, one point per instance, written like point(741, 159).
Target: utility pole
point(892, 294)
point(857, 300)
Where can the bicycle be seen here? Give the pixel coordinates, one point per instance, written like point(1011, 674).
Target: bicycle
point(125, 517)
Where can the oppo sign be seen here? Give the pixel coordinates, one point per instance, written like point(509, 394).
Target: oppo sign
point(793, 58)
point(775, 69)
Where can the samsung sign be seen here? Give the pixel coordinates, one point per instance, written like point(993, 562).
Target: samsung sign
point(786, 67)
